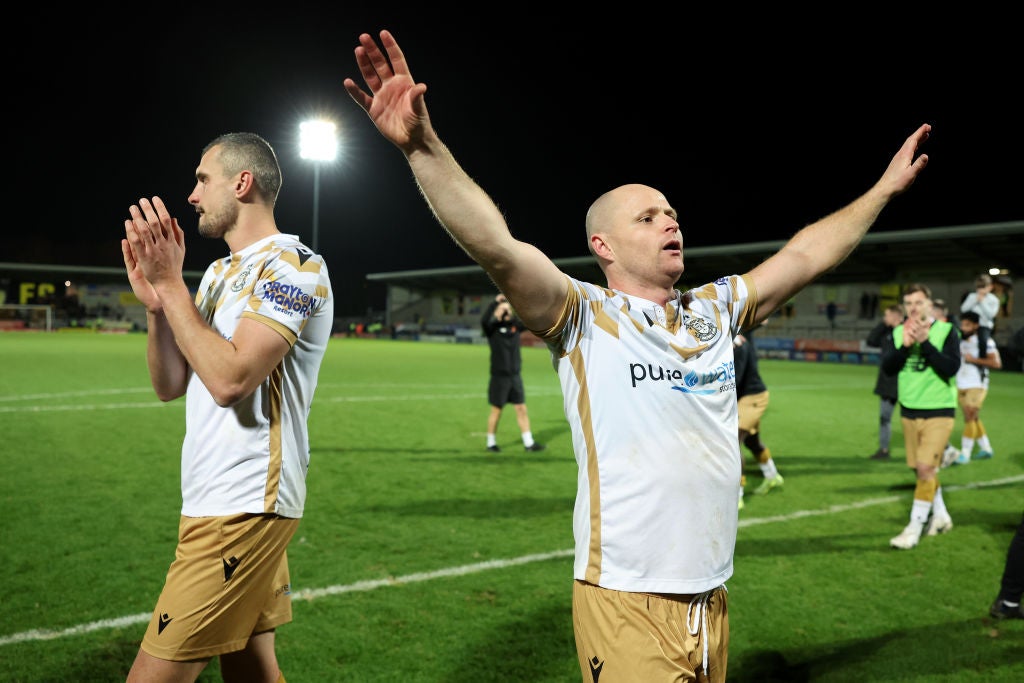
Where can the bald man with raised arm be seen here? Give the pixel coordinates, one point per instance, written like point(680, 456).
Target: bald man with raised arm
point(647, 379)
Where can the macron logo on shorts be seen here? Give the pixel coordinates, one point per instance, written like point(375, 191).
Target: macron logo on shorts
point(595, 667)
point(162, 621)
point(230, 565)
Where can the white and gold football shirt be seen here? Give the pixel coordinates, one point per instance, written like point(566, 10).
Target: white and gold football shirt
point(253, 456)
point(650, 395)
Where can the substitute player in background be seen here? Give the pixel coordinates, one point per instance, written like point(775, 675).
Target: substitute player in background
point(752, 400)
point(245, 352)
point(926, 357)
point(972, 386)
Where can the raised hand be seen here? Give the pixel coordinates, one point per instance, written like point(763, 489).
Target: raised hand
point(395, 102)
point(153, 248)
point(904, 168)
point(144, 291)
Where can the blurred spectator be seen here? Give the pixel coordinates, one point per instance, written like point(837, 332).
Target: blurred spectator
point(830, 312)
point(880, 337)
point(972, 381)
point(986, 304)
point(1017, 346)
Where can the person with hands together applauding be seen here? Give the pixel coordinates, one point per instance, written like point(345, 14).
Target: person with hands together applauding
point(245, 351)
point(925, 358)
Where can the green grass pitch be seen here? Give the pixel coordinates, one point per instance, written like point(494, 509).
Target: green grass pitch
point(424, 558)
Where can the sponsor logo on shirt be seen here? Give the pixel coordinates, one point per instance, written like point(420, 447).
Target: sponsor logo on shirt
point(290, 299)
point(716, 380)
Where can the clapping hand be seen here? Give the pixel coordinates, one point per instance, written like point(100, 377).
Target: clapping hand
point(153, 249)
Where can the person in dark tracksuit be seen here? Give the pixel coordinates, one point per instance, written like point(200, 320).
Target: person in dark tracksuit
point(880, 337)
point(503, 329)
point(1008, 602)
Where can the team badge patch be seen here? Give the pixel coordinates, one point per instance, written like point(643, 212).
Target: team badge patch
point(242, 278)
point(702, 329)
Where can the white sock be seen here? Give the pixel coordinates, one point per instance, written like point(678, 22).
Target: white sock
point(768, 469)
point(966, 445)
point(527, 439)
point(983, 443)
point(939, 505)
point(492, 440)
point(920, 510)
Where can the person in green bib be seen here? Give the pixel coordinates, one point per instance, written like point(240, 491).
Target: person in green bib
point(925, 359)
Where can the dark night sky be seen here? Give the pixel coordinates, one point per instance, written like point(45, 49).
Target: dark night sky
point(752, 130)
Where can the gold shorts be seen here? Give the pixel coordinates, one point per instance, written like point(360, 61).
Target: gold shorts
point(751, 408)
point(229, 580)
point(971, 398)
point(925, 439)
point(624, 636)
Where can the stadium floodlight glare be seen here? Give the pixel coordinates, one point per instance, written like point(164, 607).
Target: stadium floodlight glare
point(318, 142)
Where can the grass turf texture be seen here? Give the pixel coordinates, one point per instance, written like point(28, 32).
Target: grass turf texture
point(422, 557)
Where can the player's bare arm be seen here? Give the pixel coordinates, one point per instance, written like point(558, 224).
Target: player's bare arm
point(230, 369)
point(823, 245)
point(168, 371)
point(395, 103)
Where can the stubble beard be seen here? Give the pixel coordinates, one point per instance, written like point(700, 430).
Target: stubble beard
point(216, 224)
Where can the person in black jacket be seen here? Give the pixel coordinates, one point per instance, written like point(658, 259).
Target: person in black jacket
point(880, 337)
point(503, 328)
point(1011, 588)
point(1017, 347)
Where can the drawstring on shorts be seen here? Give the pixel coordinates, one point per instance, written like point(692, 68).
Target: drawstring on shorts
point(697, 621)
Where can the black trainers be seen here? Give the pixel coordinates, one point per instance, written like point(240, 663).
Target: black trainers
point(1000, 610)
point(535, 447)
point(494, 449)
point(881, 455)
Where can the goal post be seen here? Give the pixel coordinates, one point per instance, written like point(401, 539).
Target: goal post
point(26, 317)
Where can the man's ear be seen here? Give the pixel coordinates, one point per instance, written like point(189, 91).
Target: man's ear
point(601, 248)
point(245, 184)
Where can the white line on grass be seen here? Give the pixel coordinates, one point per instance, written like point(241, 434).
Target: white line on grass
point(71, 394)
point(362, 586)
point(158, 404)
point(422, 397)
point(313, 593)
point(91, 406)
point(832, 509)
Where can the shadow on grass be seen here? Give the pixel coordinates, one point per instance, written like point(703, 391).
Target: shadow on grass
point(110, 662)
point(536, 647)
point(985, 650)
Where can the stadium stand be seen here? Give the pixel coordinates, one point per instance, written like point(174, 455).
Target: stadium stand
point(444, 304)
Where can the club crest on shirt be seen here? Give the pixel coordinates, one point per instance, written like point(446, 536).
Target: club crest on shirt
point(239, 284)
point(702, 329)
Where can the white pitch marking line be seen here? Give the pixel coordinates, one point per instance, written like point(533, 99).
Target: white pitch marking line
point(361, 586)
